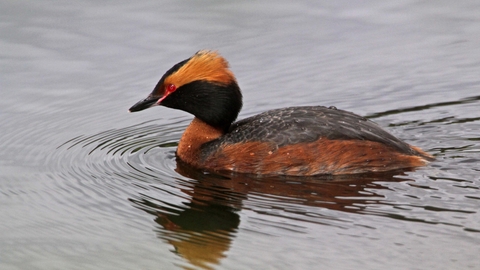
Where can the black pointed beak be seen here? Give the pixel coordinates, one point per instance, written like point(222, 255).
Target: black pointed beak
point(150, 101)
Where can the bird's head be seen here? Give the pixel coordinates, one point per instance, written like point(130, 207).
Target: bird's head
point(202, 85)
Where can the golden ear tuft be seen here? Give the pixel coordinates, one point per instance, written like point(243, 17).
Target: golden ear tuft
point(203, 66)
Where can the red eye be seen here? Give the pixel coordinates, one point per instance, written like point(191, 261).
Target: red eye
point(170, 88)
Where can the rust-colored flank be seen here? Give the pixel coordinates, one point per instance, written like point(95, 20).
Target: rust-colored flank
point(320, 157)
point(299, 141)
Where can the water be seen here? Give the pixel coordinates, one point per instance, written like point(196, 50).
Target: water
point(86, 185)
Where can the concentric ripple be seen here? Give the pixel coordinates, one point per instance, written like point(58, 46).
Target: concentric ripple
point(124, 149)
point(109, 168)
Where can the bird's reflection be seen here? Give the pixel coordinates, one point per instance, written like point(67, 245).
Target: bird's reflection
point(202, 230)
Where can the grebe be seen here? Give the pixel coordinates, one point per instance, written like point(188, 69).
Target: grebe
point(301, 141)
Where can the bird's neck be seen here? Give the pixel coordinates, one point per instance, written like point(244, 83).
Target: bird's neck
point(196, 134)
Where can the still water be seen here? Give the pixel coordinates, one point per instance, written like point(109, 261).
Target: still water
point(86, 185)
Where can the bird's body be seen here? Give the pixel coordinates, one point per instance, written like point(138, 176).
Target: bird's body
point(290, 141)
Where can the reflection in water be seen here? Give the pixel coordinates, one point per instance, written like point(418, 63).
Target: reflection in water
point(200, 233)
point(202, 230)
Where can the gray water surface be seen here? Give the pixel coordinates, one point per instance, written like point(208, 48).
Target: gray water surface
point(86, 185)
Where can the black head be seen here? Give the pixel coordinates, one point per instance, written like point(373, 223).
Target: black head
point(202, 85)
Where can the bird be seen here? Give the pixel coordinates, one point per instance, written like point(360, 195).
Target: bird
point(292, 141)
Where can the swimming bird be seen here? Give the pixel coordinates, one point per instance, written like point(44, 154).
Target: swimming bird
point(297, 141)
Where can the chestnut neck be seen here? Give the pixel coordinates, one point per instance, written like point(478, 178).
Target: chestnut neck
point(196, 134)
